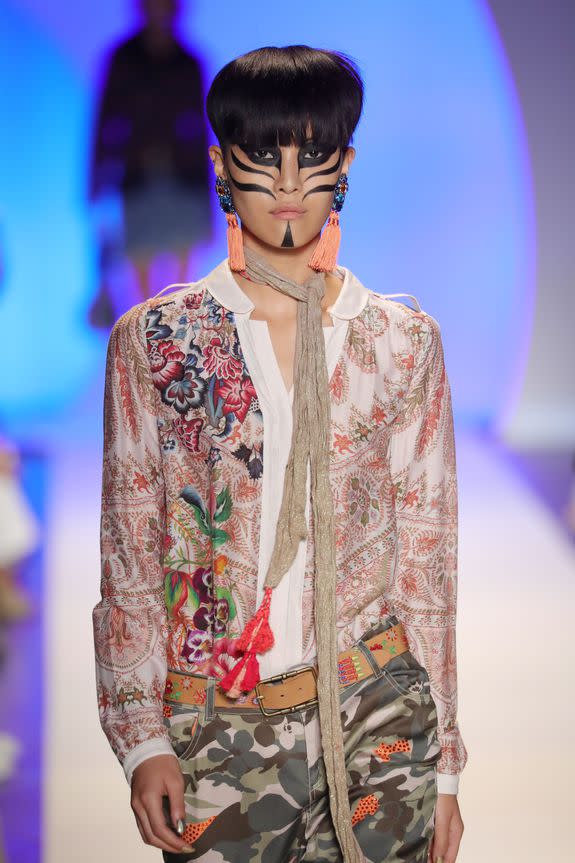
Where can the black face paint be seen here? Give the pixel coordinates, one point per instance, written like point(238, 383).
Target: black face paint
point(274, 152)
point(272, 157)
point(288, 239)
point(251, 187)
point(320, 189)
point(245, 167)
point(331, 170)
point(306, 159)
point(327, 170)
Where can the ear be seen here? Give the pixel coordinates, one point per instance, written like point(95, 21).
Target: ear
point(216, 155)
point(348, 158)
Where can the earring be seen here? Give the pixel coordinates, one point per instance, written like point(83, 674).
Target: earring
point(325, 253)
point(234, 231)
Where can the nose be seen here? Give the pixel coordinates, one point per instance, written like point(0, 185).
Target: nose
point(288, 180)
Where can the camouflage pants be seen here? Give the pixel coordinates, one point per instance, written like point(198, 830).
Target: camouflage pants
point(255, 786)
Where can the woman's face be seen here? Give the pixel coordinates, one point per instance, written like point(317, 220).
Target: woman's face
point(283, 195)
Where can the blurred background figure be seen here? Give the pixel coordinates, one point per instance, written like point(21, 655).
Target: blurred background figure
point(18, 535)
point(18, 526)
point(150, 148)
point(569, 510)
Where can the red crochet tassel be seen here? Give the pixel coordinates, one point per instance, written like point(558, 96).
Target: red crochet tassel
point(257, 637)
point(235, 244)
point(325, 253)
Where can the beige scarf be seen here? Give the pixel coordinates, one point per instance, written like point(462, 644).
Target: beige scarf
point(311, 440)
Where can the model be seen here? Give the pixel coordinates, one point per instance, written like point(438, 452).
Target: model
point(275, 639)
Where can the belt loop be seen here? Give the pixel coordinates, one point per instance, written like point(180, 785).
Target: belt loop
point(388, 620)
point(361, 645)
point(209, 709)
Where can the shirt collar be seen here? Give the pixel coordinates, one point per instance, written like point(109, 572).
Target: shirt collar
point(223, 287)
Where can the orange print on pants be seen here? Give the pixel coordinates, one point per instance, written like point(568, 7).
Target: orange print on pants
point(384, 750)
point(192, 832)
point(366, 806)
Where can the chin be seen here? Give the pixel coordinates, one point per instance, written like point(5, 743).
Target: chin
point(276, 242)
point(298, 238)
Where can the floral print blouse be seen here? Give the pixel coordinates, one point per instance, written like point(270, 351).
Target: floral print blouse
point(196, 420)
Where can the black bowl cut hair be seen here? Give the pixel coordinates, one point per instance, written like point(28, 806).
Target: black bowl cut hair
point(269, 96)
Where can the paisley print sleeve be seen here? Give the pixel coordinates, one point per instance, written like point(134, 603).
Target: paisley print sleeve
point(424, 493)
point(129, 621)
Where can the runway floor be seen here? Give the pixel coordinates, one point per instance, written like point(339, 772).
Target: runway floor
point(69, 800)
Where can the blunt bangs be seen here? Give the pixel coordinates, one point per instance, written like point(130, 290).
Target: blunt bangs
point(269, 96)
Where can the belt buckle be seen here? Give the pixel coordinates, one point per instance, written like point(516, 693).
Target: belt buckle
point(284, 676)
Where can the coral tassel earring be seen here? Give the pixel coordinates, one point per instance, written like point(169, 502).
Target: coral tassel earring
point(235, 244)
point(236, 257)
point(325, 253)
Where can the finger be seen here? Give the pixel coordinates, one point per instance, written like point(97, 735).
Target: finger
point(140, 828)
point(440, 841)
point(144, 822)
point(151, 837)
point(435, 856)
point(175, 789)
point(454, 841)
point(160, 829)
point(430, 849)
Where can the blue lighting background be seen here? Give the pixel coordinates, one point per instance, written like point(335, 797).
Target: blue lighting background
point(439, 203)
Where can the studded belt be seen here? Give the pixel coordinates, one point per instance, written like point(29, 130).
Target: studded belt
point(292, 690)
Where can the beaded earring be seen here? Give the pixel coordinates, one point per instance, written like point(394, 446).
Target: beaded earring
point(325, 253)
point(234, 232)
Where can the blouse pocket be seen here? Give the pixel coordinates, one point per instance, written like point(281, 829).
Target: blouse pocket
point(406, 675)
point(184, 724)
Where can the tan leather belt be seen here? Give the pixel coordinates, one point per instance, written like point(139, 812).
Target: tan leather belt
point(292, 690)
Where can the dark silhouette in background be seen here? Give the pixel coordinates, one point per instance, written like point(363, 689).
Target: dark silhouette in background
point(150, 148)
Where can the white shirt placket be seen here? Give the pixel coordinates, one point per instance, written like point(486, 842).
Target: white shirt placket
point(276, 406)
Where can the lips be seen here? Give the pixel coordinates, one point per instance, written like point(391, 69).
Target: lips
point(285, 211)
point(287, 214)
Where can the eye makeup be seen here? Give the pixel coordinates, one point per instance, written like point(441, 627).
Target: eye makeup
point(269, 156)
point(244, 167)
point(311, 155)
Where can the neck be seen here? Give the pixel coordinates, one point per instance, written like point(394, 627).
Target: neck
point(289, 262)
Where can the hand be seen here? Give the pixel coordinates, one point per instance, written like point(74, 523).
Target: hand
point(448, 829)
point(153, 779)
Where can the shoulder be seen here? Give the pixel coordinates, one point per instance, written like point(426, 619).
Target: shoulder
point(395, 317)
point(126, 340)
point(402, 313)
point(127, 48)
point(163, 309)
point(162, 317)
point(180, 295)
